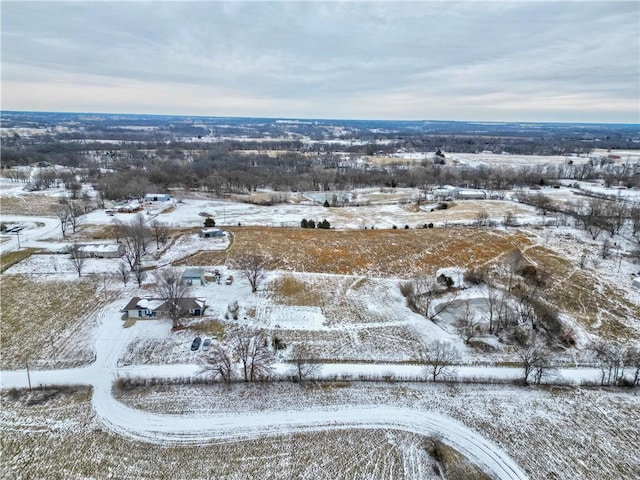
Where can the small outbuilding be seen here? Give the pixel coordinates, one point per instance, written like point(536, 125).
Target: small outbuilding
point(194, 276)
point(98, 250)
point(636, 282)
point(211, 232)
point(156, 197)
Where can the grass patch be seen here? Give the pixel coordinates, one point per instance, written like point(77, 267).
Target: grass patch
point(32, 204)
point(9, 259)
point(42, 322)
point(209, 328)
point(293, 290)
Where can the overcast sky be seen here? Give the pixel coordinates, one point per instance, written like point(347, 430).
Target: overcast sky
point(480, 60)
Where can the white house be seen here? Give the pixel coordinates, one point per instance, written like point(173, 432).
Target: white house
point(636, 282)
point(156, 197)
point(142, 307)
point(211, 232)
point(151, 307)
point(99, 250)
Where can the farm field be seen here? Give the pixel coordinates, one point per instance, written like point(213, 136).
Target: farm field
point(595, 430)
point(336, 295)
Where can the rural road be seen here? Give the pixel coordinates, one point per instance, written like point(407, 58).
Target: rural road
point(111, 339)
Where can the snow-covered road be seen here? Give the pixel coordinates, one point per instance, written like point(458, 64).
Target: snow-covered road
point(36, 229)
point(189, 428)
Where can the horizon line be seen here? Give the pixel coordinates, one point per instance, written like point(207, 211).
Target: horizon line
point(2, 111)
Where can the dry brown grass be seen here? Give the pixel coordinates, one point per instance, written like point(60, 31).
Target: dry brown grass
point(28, 205)
point(8, 259)
point(46, 321)
point(59, 437)
point(593, 302)
point(366, 252)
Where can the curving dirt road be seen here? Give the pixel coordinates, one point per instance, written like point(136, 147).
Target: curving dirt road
point(196, 429)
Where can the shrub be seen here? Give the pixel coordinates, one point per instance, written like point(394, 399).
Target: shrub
point(476, 276)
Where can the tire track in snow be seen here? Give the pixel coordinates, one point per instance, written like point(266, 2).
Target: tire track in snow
point(194, 429)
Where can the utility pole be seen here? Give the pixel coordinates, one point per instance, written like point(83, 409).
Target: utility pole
point(28, 376)
point(18, 237)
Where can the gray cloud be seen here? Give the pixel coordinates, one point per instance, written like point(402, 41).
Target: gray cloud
point(446, 60)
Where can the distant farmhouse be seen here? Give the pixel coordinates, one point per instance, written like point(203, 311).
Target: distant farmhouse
point(98, 250)
point(156, 197)
point(153, 307)
point(211, 232)
point(455, 193)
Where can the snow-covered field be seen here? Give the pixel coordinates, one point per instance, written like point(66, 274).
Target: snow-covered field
point(356, 325)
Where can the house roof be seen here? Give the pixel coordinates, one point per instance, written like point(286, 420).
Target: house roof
point(100, 247)
point(193, 273)
point(147, 303)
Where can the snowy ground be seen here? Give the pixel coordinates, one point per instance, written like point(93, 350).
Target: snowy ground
point(352, 319)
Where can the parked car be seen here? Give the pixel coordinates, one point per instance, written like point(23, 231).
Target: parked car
point(206, 344)
point(229, 280)
point(196, 344)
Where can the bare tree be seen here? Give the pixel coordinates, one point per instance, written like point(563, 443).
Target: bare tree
point(219, 363)
point(77, 260)
point(492, 303)
point(118, 229)
point(139, 274)
point(159, 231)
point(632, 360)
point(304, 364)
point(254, 354)
point(610, 358)
point(74, 213)
point(426, 297)
point(172, 290)
point(533, 357)
point(542, 203)
point(135, 240)
point(124, 272)
point(253, 269)
point(634, 216)
point(468, 323)
point(481, 218)
point(62, 213)
point(440, 358)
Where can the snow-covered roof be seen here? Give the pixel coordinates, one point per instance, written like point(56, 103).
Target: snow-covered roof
point(193, 273)
point(210, 230)
point(100, 247)
point(149, 303)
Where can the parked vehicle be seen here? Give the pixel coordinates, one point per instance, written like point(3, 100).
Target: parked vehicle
point(229, 280)
point(196, 344)
point(206, 344)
